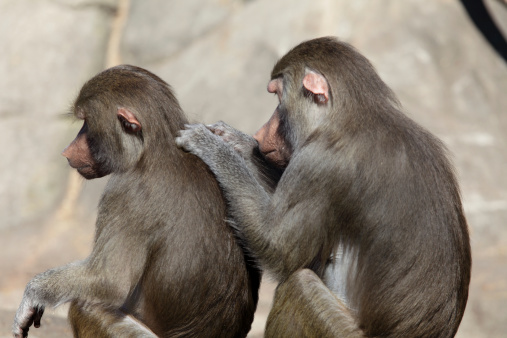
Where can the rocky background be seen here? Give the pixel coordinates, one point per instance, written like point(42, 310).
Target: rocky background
point(218, 54)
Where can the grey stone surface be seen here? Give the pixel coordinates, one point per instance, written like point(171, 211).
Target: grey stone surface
point(218, 55)
point(157, 29)
point(48, 49)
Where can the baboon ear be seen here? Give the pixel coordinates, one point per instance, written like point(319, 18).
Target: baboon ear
point(317, 85)
point(129, 121)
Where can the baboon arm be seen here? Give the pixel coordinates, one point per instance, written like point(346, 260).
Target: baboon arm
point(274, 225)
point(94, 280)
point(304, 307)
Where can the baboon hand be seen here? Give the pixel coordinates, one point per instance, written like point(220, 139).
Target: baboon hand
point(26, 316)
point(239, 141)
point(198, 140)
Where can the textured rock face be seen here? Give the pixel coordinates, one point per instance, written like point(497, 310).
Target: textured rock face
point(47, 53)
point(217, 55)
